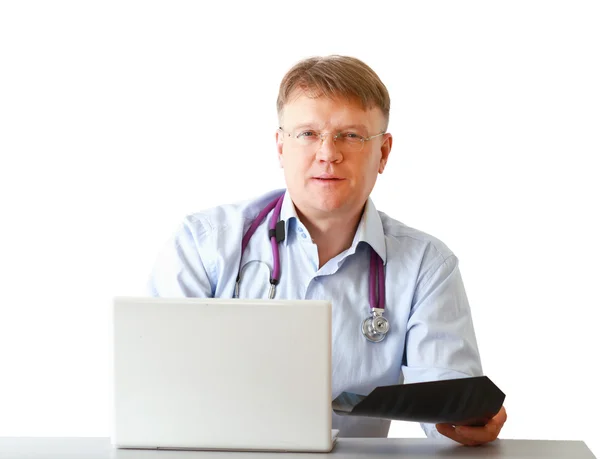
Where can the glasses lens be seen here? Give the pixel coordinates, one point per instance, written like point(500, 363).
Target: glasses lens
point(307, 138)
point(349, 142)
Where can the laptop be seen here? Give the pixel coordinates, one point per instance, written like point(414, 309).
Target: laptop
point(222, 374)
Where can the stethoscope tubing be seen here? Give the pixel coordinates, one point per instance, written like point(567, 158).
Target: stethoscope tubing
point(374, 327)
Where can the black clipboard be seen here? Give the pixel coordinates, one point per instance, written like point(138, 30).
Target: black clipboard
point(465, 401)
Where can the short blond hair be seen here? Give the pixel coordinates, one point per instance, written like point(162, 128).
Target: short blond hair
point(336, 77)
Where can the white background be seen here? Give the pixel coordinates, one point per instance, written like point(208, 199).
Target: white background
point(117, 119)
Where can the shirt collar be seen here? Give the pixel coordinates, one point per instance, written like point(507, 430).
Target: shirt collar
point(370, 228)
point(288, 215)
point(370, 231)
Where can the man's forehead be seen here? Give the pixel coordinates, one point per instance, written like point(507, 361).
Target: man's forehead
point(306, 106)
point(307, 97)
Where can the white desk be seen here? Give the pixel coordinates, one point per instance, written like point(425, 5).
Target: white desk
point(422, 448)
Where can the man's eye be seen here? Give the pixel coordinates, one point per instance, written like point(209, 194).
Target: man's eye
point(307, 134)
point(351, 136)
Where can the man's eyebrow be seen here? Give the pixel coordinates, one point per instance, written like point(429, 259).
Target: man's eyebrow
point(305, 125)
point(343, 127)
point(355, 126)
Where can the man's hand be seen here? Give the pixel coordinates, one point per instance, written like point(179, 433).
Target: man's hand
point(473, 436)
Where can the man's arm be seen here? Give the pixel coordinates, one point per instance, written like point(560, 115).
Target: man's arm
point(440, 341)
point(179, 269)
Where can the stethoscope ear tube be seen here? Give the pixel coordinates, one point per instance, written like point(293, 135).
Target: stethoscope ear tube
point(374, 327)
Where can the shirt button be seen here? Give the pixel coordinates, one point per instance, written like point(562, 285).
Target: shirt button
point(304, 235)
point(300, 230)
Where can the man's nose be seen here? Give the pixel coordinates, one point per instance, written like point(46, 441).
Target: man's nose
point(328, 149)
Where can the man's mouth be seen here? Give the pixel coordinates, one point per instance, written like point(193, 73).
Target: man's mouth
point(327, 177)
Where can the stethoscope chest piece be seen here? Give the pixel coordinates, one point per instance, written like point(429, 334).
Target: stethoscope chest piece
point(375, 327)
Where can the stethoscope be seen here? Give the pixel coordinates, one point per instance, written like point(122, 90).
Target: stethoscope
point(375, 327)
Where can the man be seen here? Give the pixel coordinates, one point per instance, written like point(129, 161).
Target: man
point(332, 143)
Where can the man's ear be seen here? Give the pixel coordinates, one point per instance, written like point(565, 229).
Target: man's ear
point(279, 142)
point(386, 148)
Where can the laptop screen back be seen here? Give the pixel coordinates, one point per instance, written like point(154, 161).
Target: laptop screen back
point(227, 374)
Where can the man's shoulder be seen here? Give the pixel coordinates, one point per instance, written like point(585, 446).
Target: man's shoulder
point(234, 214)
point(407, 237)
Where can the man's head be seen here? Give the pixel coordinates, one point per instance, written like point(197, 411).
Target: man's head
point(321, 98)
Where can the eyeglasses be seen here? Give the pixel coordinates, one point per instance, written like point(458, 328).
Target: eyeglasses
point(345, 141)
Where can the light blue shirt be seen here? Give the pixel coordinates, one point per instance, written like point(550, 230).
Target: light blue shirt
point(431, 333)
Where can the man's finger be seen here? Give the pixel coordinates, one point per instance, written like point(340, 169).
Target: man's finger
point(501, 417)
point(475, 435)
point(483, 434)
point(449, 431)
point(487, 433)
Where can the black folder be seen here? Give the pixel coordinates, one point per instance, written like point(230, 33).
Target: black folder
point(465, 401)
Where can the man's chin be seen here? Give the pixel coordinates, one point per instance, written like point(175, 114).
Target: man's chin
point(323, 201)
point(328, 204)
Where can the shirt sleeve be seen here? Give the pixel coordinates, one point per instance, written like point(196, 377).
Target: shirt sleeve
point(440, 340)
point(179, 269)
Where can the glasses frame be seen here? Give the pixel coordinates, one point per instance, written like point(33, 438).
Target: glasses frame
point(322, 136)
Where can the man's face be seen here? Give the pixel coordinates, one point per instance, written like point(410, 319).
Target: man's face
point(325, 179)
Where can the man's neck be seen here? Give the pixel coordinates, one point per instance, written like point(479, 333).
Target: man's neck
point(332, 235)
